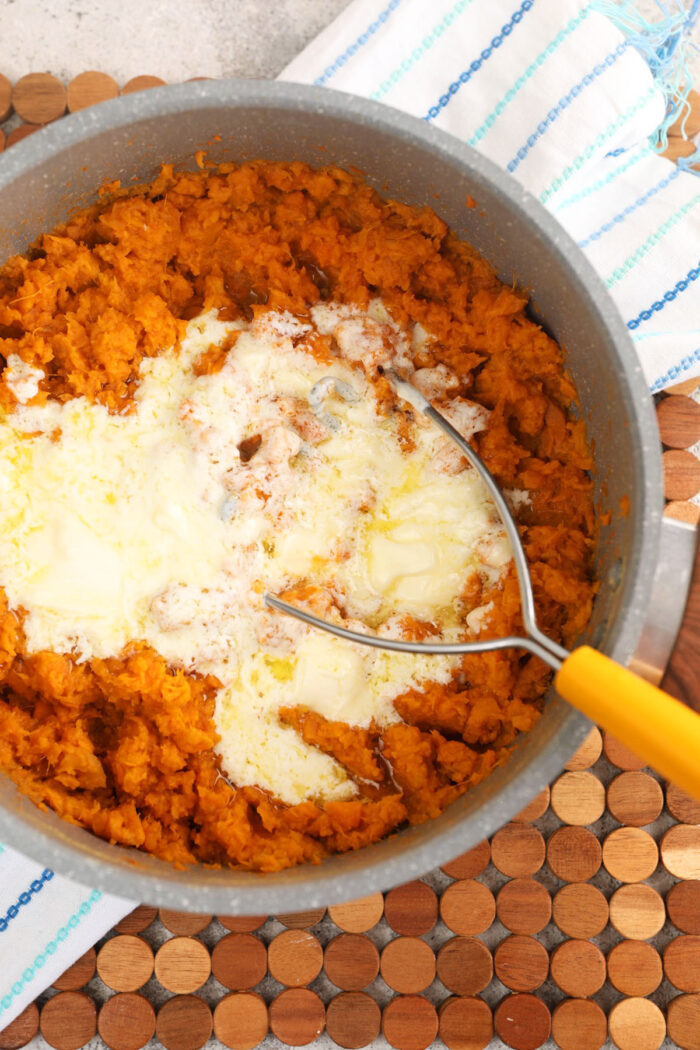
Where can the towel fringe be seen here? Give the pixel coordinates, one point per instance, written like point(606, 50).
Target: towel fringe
point(665, 45)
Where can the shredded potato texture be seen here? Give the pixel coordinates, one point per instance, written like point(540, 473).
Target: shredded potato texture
point(125, 747)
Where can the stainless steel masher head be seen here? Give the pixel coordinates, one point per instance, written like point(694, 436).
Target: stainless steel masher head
point(651, 723)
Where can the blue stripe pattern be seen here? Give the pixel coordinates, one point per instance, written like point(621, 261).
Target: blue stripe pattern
point(684, 365)
point(622, 215)
point(522, 80)
point(476, 65)
point(338, 63)
point(600, 184)
point(61, 935)
point(598, 69)
point(24, 898)
point(421, 50)
point(658, 305)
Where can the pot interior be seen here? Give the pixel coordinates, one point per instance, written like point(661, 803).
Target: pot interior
point(47, 176)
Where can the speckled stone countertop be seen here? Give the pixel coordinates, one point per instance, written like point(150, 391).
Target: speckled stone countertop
point(167, 38)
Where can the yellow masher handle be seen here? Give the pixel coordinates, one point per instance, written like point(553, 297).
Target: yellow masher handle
point(658, 728)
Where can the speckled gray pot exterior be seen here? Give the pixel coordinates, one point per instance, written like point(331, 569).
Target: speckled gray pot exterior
point(59, 168)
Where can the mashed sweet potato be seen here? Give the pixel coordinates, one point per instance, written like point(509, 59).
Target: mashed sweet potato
point(124, 746)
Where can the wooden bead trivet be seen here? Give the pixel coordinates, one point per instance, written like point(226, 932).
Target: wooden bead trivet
point(354, 1019)
point(579, 921)
point(126, 1021)
point(89, 88)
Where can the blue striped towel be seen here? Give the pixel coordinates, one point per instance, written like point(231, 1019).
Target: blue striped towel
point(46, 923)
point(566, 100)
point(561, 97)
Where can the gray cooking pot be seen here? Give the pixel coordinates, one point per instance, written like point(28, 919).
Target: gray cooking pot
point(45, 177)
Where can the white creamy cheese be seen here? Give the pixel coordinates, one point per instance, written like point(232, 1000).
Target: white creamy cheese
point(168, 524)
point(22, 378)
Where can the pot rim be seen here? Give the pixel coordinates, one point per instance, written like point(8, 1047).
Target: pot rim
point(77, 853)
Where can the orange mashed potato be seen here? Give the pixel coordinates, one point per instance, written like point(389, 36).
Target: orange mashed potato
point(125, 747)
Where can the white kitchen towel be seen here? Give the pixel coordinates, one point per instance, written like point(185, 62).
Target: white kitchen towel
point(46, 923)
point(557, 94)
point(569, 103)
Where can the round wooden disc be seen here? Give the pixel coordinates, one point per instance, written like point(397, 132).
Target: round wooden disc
point(184, 1023)
point(239, 961)
point(635, 798)
point(681, 472)
point(579, 1024)
point(25, 1026)
point(620, 755)
point(240, 1020)
point(126, 1021)
point(359, 915)
point(411, 909)
point(683, 903)
point(688, 121)
point(685, 809)
point(242, 923)
point(466, 1024)
point(574, 854)
point(521, 963)
point(141, 83)
point(77, 975)
point(634, 968)
point(39, 98)
point(630, 854)
point(68, 1020)
point(636, 1024)
point(464, 965)
point(185, 923)
point(680, 851)
point(90, 87)
point(351, 961)
point(410, 1022)
point(470, 864)
point(682, 963)
point(302, 920)
point(522, 1021)
point(353, 1019)
point(679, 421)
point(684, 1021)
point(517, 850)
point(686, 386)
point(523, 906)
point(5, 97)
point(681, 510)
point(535, 809)
point(182, 965)
point(21, 132)
point(137, 920)
point(295, 958)
point(467, 907)
point(578, 798)
point(578, 967)
point(637, 911)
point(125, 962)
point(580, 910)
point(297, 1016)
point(408, 965)
point(588, 753)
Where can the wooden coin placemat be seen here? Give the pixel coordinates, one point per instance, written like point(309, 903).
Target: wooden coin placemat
point(577, 925)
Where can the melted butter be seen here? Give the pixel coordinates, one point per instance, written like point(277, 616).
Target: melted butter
point(149, 526)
